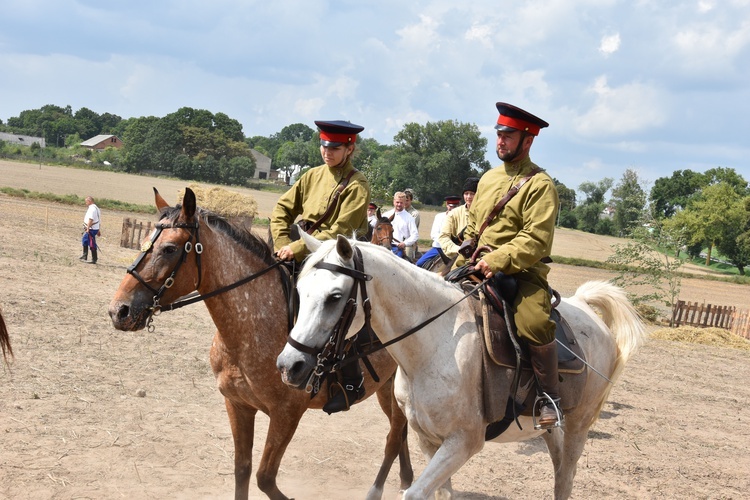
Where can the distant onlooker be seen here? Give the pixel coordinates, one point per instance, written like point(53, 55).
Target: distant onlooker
point(91, 228)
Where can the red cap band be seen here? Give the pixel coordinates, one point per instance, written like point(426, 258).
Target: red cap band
point(345, 138)
point(518, 124)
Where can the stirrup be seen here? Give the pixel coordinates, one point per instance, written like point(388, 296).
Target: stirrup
point(541, 401)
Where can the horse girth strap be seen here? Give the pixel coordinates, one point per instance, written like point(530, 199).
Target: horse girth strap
point(503, 201)
point(329, 210)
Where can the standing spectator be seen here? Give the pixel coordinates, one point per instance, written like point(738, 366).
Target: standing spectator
point(372, 216)
point(405, 233)
point(451, 234)
point(91, 226)
point(451, 202)
point(411, 252)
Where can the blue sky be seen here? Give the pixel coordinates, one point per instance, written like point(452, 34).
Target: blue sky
point(654, 86)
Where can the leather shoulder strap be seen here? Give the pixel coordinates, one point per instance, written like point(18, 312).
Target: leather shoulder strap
point(503, 201)
point(329, 210)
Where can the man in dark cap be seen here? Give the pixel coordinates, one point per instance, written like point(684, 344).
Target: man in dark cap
point(451, 234)
point(451, 202)
point(520, 236)
point(314, 199)
point(372, 214)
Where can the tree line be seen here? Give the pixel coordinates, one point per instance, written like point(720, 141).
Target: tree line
point(693, 210)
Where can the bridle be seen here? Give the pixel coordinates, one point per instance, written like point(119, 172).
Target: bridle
point(333, 355)
point(187, 248)
point(156, 308)
point(377, 239)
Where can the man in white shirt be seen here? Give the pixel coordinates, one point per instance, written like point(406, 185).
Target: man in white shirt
point(91, 224)
point(405, 233)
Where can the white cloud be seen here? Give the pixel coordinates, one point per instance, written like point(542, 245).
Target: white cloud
point(630, 108)
point(481, 33)
point(610, 44)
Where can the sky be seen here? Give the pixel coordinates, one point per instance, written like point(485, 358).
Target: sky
point(652, 86)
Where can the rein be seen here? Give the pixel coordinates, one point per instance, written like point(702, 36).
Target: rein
point(156, 308)
point(333, 349)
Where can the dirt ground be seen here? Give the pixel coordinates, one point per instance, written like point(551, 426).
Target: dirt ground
point(72, 426)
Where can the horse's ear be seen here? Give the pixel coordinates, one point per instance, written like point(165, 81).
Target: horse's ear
point(390, 219)
point(161, 203)
point(344, 248)
point(379, 214)
point(311, 242)
point(188, 204)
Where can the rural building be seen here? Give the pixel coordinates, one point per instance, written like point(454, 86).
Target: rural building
point(101, 142)
point(262, 165)
point(22, 140)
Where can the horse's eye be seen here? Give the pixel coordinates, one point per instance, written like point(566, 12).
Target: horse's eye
point(169, 249)
point(333, 298)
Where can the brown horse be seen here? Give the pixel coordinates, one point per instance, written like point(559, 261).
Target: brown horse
point(382, 232)
point(5, 340)
point(194, 250)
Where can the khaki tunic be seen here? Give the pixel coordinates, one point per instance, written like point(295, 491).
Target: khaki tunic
point(519, 237)
point(454, 223)
point(309, 198)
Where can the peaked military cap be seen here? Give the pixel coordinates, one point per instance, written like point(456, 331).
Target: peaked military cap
point(337, 132)
point(373, 206)
point(453, 200)
point(513, 118)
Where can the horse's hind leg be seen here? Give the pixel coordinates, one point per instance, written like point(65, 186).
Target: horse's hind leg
point(242, 422)
point(565, 449)
point(396, 443)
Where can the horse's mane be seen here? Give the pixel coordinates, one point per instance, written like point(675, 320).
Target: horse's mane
point(327, 246)
point(245, 238)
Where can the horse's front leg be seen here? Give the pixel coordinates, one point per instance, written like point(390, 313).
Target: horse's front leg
point(242, 422)
point(283, 421)
point(396, 444)
point(444, 461)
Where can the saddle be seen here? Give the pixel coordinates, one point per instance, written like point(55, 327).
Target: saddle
point(509, 385)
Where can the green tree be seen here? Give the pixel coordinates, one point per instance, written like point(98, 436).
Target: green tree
point(589, 212)
point(671, 194)
point(290, 155)
point(645, 267)
point(628, 200)
point(435, 159)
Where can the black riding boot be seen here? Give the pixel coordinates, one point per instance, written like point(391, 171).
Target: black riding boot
point(352, 390)
point(544, 363)
point(85, 256)
point(93, 256)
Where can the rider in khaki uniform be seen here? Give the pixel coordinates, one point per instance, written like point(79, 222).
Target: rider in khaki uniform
point(310, 196)
point(308, 199)
point(520, 236)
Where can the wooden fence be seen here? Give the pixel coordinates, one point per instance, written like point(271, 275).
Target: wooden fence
point(133, 232)
point(707, 315)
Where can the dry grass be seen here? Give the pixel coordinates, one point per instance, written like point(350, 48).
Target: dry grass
point(706, 336)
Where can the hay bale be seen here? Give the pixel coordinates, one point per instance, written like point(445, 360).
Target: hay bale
point(229, 204)
point(707, 336)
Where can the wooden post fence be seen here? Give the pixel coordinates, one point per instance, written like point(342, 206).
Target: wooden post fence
point(707, 315)
point(133, 232)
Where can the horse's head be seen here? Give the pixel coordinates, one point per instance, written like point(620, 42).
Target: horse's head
point(382, 233)
point(326, 286)
point(153, 279)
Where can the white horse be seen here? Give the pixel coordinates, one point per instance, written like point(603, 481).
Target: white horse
point(439, 380)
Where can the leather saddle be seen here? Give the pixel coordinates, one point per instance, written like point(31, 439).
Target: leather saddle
point(509, 385)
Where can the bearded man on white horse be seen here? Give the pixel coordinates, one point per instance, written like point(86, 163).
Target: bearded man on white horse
point(520, 238)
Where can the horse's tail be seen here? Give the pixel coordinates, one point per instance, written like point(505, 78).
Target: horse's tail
point(620, 317)
point(5, 340)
